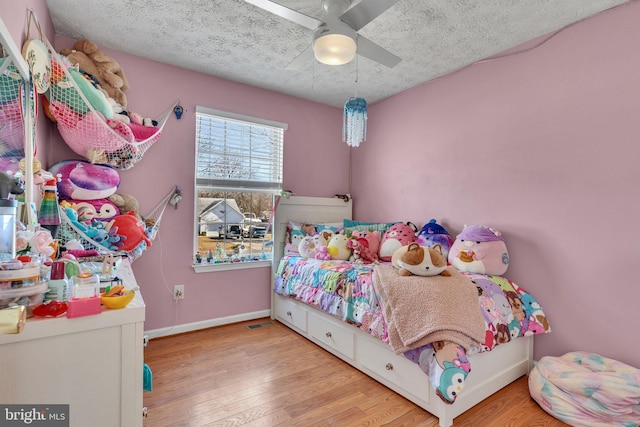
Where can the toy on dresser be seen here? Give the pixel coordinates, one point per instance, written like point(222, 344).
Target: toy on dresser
point(479, 249)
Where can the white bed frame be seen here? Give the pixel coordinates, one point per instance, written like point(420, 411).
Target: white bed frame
point(489, 371)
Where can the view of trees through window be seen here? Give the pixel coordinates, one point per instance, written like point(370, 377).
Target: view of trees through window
point(234, 225)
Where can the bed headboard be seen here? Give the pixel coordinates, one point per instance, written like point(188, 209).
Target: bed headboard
point(305, 209)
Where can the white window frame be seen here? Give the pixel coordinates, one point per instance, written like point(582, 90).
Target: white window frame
point(272, 185)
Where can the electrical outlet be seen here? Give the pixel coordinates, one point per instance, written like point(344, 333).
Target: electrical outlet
point(178, 292)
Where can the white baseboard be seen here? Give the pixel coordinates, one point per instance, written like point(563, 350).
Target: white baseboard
point(189, 327)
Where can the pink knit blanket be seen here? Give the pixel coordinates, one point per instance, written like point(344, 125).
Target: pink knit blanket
point(420, 310)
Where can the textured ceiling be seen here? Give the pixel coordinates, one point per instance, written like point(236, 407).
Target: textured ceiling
point(238, 41)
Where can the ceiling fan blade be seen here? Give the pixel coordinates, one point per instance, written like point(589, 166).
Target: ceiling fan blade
point(365, 11)
point(305, 58)
point(377, 53)
point(286, 13)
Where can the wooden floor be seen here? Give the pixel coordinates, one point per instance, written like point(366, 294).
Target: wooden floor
point(270, 376)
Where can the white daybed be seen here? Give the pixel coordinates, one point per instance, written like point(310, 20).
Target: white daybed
point(491, 370)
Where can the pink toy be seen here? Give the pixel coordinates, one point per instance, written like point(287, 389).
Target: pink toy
point(323, 253)
point(82, 180)
point(372, 238)
point(394, 238)
point(479, 249)
point(361, 251)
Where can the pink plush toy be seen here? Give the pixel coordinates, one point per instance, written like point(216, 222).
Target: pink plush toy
point(361, 251)
point(323, 253)
point(372, 238)
point(81, 180)
point(479, 249)
point(394, 238)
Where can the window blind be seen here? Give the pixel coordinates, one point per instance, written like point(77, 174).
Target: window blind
point(237, 151)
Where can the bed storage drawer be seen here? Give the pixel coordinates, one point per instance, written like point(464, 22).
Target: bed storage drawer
point(291, 313)
point(394, 368)
point(333, 335)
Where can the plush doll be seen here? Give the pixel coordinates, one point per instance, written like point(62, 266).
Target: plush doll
point(82, 180)
point(338, 247)
point(131, 231)
point(99, 209)
point(433, 234)
point(323, 253)
point(307, 247)
point(105, 69)
point(414, 259)
point(398, 235)
point(479, 249)
point(125, 203)
point(361, 252)
point(372, 238)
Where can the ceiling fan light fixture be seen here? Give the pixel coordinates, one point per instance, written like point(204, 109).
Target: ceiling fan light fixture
point(334, 47)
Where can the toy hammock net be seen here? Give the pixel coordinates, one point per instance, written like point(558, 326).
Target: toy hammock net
point(87, 122)
point(11, 115)
point(91, 239)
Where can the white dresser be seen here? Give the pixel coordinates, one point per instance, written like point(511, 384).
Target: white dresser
point(93, 363)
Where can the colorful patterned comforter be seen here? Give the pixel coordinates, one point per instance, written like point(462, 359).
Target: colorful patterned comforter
point(346, 291)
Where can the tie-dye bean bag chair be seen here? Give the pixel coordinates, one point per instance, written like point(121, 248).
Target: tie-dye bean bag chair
point(586, 389)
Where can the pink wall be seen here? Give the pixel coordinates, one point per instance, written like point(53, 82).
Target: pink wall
point(543, 146)
point(153, 88)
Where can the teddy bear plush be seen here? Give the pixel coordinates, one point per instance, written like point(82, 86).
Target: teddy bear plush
point(126, 203)
point(104, 68)
point(414, 259)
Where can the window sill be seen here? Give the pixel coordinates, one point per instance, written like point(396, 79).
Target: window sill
point(206, 267)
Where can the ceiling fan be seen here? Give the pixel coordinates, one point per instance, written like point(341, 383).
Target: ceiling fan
point(335, 39)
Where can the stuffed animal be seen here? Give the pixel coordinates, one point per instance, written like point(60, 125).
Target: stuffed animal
point(307, 247)
point(338, 247)
point(479, 249)
point(433, 233)
point(397, 236)
point(372, 238)
point(323, 253)
point(361, 252)
point(82, 180)
point(414, 259)
point(99, 209)
point(126, 203)
point(104, 68)
point(131, 231)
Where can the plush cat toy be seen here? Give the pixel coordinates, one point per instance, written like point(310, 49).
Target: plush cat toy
point(479, 249)
point(433, 234)
point(414, 259)
point(394, 238)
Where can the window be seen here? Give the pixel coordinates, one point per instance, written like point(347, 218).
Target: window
point(238, 174)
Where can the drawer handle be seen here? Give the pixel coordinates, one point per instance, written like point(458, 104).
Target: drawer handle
point(328, 334)
point(388, 367)
point(289, 313)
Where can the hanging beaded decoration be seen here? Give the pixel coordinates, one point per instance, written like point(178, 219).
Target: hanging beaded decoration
point(354, 125)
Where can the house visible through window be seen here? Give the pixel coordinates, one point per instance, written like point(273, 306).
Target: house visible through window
point(238, 174)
